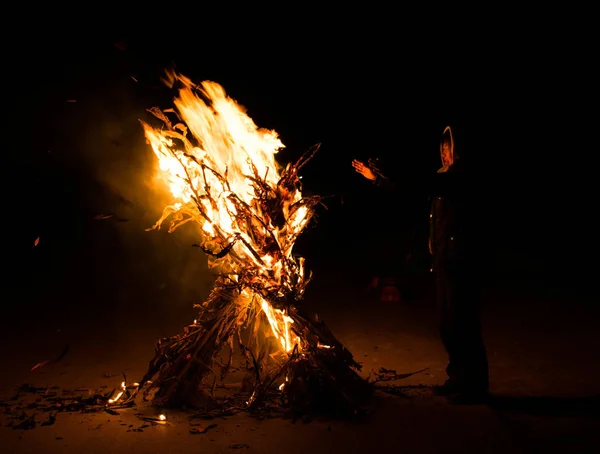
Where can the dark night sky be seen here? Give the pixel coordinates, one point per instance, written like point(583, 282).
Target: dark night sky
point(518, 108)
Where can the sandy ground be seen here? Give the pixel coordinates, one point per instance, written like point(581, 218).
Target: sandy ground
point(543, 349)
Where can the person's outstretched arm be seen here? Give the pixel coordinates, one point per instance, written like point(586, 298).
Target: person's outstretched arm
point(372, 173)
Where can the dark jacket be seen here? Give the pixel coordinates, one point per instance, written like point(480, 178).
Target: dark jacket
point(449, 219)
point(451, 226)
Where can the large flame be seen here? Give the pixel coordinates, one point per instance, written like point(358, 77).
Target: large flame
point(214, 172)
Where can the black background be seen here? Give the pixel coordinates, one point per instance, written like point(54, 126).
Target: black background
point(520, 109)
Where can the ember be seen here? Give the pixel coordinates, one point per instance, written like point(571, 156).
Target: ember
point(223, 176)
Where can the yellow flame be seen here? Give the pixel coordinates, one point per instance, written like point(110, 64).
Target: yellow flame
point(227, 141)
point(280, 325)
point(116, 398)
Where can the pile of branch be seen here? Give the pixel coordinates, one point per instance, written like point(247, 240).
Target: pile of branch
point(317, 373)
point(322, 378)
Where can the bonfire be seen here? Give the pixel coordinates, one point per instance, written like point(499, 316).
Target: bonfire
point(248, 211)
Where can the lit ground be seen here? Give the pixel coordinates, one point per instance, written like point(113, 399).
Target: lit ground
point(543, 351)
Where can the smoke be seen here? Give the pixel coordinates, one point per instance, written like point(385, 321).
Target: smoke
point(153, 276)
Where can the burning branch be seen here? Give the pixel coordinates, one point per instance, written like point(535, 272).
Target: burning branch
point(222, 173)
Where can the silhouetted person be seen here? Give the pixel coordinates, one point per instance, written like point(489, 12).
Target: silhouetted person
point(452, 246)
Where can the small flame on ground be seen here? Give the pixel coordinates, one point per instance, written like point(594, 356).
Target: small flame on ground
point(116, 398)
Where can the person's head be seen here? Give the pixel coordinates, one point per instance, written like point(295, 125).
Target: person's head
point(447, 148)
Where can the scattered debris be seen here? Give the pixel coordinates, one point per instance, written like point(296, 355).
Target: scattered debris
point(385, 375)
point(36, 406)
point(201, 430)
point(52, 361)
point(239, 446)
point(40, 365)
point(139, 429)
point(27, 422)
point(100, 217)
point(51, 420)
point(160, 419)
point(26, 407)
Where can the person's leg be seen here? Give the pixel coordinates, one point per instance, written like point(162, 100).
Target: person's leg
point(470, 364)
point(445, 322)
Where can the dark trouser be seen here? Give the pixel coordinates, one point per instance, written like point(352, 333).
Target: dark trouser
point(460, 329)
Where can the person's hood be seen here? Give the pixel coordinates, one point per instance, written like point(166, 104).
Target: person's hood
point(447, 136)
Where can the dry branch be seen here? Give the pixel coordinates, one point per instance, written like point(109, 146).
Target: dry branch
point(293, 358)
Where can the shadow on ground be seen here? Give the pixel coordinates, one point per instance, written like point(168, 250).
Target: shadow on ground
point(548, 406)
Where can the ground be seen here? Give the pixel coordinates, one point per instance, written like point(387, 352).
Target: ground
point(543, 351)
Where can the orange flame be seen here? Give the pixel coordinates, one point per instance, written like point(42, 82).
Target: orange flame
point(209, 174)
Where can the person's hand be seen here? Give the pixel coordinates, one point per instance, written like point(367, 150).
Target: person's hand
point(364, 170)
